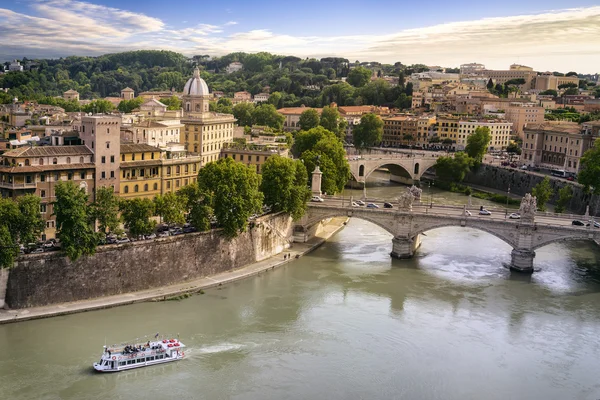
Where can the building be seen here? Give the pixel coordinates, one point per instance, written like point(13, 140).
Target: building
point(157, 133)
point(36, 170)
point(261, 97)
point(397, 130)
point(547, 81)
point(558, 145)
point(253, 155)
point(522, 114)
point(205, 132)
point(140, 171)
point(102, 135)
point(15, 66)
point(234, 67)
point(471, 69)
point(178, 168)
point(292, 116)
point(71, 95)
point(241, 97)
point(458, 130)
point(127, 94)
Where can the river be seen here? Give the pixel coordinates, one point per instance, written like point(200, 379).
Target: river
point(345, 322)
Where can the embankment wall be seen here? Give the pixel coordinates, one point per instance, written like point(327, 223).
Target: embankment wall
point(43, 279)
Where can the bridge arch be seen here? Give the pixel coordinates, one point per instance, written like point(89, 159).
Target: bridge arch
point(509, 241)
point(315, 219)
point(570, 238)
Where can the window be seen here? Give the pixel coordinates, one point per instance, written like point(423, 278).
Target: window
point(146, 187)
point(81, 160)
point(122, 157)
point(57, 177)
point(82, 175)
point(103, 160)
point(133, 157)
point(152, 156)
point(136, 188)
point(112, 159)
point(168, 171)
point(70, 176)
point(27, 162)
point(42, 177)
point(143, 156)
point(54, 161)
point(41, 161)
point(68, 160)
point(43, 208)
point(155, 186)
point(241, 157)
point(103, 175)
point(112, 174)
point(177, 183)
point(126, 189)
point(169, 185)
point(177, 169)
point(42, 193)
point(108, 145)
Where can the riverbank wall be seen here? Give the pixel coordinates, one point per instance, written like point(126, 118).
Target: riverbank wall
point(43, 279)
point(522, 182)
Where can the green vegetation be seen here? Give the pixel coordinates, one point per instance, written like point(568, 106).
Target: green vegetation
point(284, 185)
point(477, 144)
point(359, 76)
point(136, 214)
point(197, 205)
point(543, 192)
point(333, 122)
point(234, 191)
point(170, 208)
point(564, 197)
point(453, 169)
point(309, 119)
point(105, 210)
point(589, 174)
point(20, 222)
point(369, 132)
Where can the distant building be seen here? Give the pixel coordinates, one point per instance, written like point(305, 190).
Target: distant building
point(261, 97)
point(471, 69)
point(71, 95)
point(253, 155)
point(127, 94)
point(15, 66)
point(157, 133)
point(234, 67)
point(292, 116)
point(522, 114)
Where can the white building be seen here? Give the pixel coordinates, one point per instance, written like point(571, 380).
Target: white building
point(261, 97)
point(499, 129)
point(234, 67)
point(15, 66)
point(157, 133)
point(472, 69)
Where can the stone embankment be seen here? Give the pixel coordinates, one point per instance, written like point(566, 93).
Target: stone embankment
point(44, 285)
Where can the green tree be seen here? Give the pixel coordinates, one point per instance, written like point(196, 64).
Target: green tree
point(564, 197)
point(10, 218)
point(589, 174)
point(170, 208)
point(307, 140)
point(549, 92)
point(105, 210)
point(543, 192)
point(513, 148)
point(333, 121)
point(172, 103)
point(31, 224)
point(369, 132)
point(9, 249)
point(284, 185)
point(243, 113)
point(137, 214)
point(74, 222)
point(309, 119)
point(453, 169)
point(233, 188)
point(332, 160)
point(127, 106)
point(477, 143)
point(99, 106)
point(267, 115)
point(359, 76)
point(198, 206)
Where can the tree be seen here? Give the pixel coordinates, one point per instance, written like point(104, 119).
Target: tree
point(197, 204)
point(369, 132)
point(589, 174)
point(307, 140)
point(172, 103)
point(549, 92)
point(234, 192)
point(453, 169)
point(332, 121)
point(568, 85)
point(543, 192)
point(99, 106)
point(564, 197)
point(105, 210)
point(9, 249)
point(309, 119)
point(572, 91)
point(284, 185)
point(170, 208)
point(137, 214)
point(267, 115)
point(571, 73)
point(74, 221)
point(490, 84)
point(332, 160)
point(31, 224)
point(513, 148)
point(10, 217)
point(403, 101)
point(127, 106)
point(477, 143)
point(359, 76)
point(243, 113)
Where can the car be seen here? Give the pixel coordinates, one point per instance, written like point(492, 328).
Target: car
point(513, 165)
point(164, 234)
point(189, 229)
point(570, 178)
point(524, 167)
point(176, 231)
point(38, 250)
point(596, 224)
point(355, 204)
point(468, 213)
point(577, 223)
point(514, 216)
point(151, 236)
point(388, 205)
point(318, 199)
point(162, 228)
point(483, 211)
point(360, 202)
point(372, 205)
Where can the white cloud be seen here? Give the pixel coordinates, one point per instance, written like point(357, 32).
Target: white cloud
point(557, 40)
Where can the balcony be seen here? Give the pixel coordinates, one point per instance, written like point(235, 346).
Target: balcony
point(6, 185)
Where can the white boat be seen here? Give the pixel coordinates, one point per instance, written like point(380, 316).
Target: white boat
point(120, 358)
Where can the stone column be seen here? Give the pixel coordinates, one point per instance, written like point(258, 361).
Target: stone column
point(4, 272)
point(522, 260)
point(405, 247)
point(317, 175)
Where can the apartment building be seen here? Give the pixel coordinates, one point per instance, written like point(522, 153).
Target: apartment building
point(458, 130)
point(157, 133)
point(253, 156)
point(522, 114)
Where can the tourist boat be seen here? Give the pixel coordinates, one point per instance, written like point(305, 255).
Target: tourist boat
point(120, 358)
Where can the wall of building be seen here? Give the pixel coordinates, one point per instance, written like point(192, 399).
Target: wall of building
point(44, 279)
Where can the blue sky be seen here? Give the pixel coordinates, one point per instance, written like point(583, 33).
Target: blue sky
point(543, 34)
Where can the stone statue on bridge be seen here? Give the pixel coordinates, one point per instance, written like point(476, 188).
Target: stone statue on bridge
point(416, 192)
point(405, 201)
point(528, 207)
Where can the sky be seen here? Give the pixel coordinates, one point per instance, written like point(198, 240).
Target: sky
point(544, 35)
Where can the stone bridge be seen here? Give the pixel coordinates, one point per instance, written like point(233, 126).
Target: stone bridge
point(523, 235)
point(404, 167)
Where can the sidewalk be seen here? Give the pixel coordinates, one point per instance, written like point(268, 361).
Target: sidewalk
point(296, 250)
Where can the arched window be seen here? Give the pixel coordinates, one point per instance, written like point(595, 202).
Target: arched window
point(81, 160)
point(168, 170)
point(361, 170)
point(126, 189)
point(146, 187)
point(54, 161)
point(416, 171)
point(197, 107)
point(187, 106)
point(41, 161)
point(136, 188)
point(27, 162)
point(68, 160)
point(155, 186)
point(177, 169)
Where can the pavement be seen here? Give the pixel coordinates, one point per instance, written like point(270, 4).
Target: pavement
point(296, 250)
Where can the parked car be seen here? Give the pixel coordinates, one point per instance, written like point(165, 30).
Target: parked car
point(162, 228)
point(524, 167)
point(151, 236)
point(189, 229)
point(317, 199)
point(596, 224)
point(176, 231)
point(577, 223)
point(355, 204)
point(514, 165)
point(38, 250)
point(515, 216)
point(372, 205)
point(388, 205)
point(123, 240)
point(360, 202)
point(570, 178)
point(483, 211)
point(468, 213)
point(164, 234)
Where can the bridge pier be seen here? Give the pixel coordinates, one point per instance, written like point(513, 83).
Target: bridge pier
point(403, 247)
point(522, 260)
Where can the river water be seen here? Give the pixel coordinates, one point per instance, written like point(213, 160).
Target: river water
point(345, 322)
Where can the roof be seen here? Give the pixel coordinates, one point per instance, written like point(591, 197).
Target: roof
point(560, 127)
point(297, 110)
point(45, 151)
point(47, 168)
point(196, 86)
point(153, 102)
point(137, 148)
point(128, 89)
point(71, 91)
point(355, 109)
point(150, 124)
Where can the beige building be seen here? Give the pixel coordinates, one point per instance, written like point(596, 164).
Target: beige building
point(157, 133)
point(547, 81)
point(205, 132)
point(458, 130)
point(292, 116)
point(253, 155)
point(522, 114)
point(70, 95)
point(558, 145)
point(127, 94)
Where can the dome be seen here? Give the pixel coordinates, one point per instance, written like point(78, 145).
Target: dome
point(196, 86)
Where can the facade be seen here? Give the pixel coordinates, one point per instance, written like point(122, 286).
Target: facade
point(234, 67)
point(127, 94)
point(261, 97)
point(458, 130)
point(253, 156)
point(15, 66)
point(241, 97)
point(471, 69)
point(178, 168)
point(70, 95)
point(547, 81)
point(102, 135)
point(157, 133)
point(36, 170)
point(140, 171)
point(292, 116)
point(396, 128)
point(558, 144)
point(522, 114)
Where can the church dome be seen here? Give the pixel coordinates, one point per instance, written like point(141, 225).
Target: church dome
point(196, 86)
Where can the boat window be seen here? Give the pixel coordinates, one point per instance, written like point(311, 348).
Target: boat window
point(129, 362)
point(141, 360)
point(121, 363)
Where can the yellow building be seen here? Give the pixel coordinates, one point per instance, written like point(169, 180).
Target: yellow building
point(140, 171)
point(178, 168)
point(253, 155)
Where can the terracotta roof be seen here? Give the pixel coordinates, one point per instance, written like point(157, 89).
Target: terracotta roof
point(46, 168)
point(297, 110)
point(127, 89)
point(150, 124)
point(153, 102)
point(71, 91)
point(563, 127)
point(41, 151)
point(137, 148)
